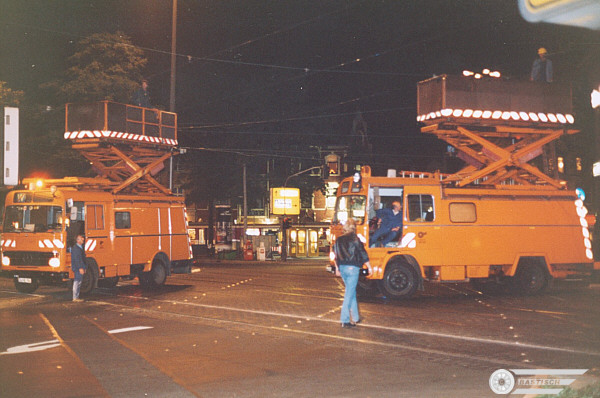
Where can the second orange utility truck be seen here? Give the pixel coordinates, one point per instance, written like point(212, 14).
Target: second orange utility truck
point(497, 221)
point(133, 225)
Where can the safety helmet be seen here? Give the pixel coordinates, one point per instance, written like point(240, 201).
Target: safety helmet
point(542, 50)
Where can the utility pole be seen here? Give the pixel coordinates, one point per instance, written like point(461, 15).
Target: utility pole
point(173, 68)
point(173, 57)
point(245, 209)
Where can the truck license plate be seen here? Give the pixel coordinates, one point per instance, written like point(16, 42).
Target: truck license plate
point(24, 280)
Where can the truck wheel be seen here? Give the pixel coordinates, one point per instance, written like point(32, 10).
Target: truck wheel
point(399, 281)
point(27, 287)
point(366, 287)
point(530, 279)
point(156, 276)
point(90, 278)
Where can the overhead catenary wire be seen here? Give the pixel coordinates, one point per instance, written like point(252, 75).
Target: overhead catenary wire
point(292, 119)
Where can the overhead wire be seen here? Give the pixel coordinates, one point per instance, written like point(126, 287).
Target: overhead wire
point(292, 119)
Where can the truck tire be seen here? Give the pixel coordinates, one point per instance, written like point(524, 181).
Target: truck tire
point(90, 278)
point(156, 276)
point(399, 281)
point(530, 279)
point(27, 287)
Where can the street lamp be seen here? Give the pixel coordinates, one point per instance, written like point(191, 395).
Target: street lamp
point(298, 173)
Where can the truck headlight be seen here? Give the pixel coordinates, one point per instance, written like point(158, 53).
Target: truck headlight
point(54, 262)
point(5, 261)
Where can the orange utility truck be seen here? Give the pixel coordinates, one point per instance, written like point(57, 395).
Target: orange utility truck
point(133, 225)
point(499, 220)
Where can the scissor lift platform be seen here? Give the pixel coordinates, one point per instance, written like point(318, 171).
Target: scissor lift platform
point(496, 126)
point(125, 144)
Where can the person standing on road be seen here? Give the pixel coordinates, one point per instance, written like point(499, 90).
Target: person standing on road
point(350, 255)
point(78, 265)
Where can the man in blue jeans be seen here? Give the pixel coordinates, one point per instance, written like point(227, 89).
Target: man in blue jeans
point(78, 266)
point(350, 256)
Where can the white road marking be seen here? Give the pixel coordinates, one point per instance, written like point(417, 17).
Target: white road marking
point(45, 345)
point(324, 335)
point(381, 327)
point(131, 329)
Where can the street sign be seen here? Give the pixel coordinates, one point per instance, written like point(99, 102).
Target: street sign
point(285, 201)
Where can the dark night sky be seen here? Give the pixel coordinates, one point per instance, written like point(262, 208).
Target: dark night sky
point(263, 47)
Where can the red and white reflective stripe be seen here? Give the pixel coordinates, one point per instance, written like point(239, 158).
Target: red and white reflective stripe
point(409, 240)
point(90, 245)
point(71, 135)
point(9, 243)
point(50, 244)
point(559, 118)
point(587, 243)
point(188, 235)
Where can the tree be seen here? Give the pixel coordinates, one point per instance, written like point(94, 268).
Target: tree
point(107, 66)
point(10, 97)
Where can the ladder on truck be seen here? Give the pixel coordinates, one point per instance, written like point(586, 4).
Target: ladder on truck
point(496, 126)
point(126, 145)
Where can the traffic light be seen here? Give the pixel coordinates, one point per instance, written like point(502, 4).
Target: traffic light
point(332, 165)
point(287, 223)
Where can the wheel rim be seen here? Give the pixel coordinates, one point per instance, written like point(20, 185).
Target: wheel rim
point(399, 281)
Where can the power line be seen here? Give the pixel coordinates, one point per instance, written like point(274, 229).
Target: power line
point(281, 154)
point(237, 124)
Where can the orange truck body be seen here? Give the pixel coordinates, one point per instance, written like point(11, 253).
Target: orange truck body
point(126, 235)
point(473, 233)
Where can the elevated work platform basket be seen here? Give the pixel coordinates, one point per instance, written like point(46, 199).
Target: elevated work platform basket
point(114, 122)
point(496, 126)
point(125, 144)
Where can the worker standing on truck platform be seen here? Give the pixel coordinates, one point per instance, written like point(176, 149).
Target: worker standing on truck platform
point(390, 226)
point(541, 70)
point(78, 266)
point(141, 97)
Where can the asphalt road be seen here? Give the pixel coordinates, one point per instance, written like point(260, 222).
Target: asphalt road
point(235, 329)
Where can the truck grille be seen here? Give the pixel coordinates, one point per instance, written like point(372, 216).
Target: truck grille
point(28, 258)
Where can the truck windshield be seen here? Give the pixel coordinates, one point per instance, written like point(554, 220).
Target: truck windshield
point(350, 206)
point(33, 218)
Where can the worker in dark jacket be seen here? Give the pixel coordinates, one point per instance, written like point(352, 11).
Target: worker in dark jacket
point(141, 97)
point(350, 256)
point(390, 225)
point(78, 265)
